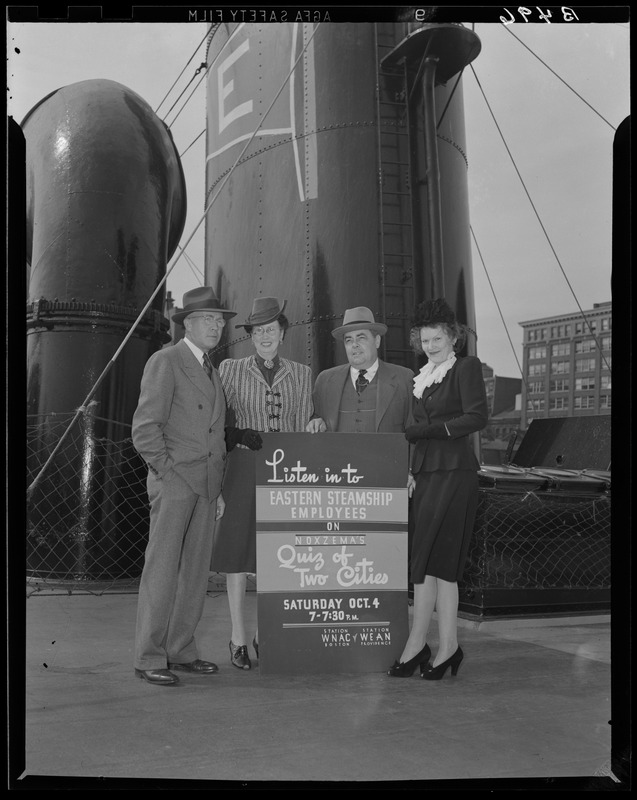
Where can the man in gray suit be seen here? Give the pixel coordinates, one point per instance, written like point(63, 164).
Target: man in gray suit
point(178, 429)
point(366, 395)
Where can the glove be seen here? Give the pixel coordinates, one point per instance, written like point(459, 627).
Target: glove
point(251, 439)
point(435, 430)
point(245, 436)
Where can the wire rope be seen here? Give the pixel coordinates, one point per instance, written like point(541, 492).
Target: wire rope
point(539, 219)
point(83, 407)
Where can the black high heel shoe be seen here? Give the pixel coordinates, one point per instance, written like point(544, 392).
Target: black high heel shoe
point(255, 644)
point(239, 656)
point(400, 669)
point(430, 673)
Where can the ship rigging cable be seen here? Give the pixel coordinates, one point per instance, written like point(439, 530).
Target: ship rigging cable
point(559, 78)
point(83, 408)
point(506, 330)
point(178, 77)
point(193, 267)
point(475, 241)
point(206, 67)
point(202, 66)
point(568, 283)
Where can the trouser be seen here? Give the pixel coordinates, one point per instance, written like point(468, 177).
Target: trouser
point(174, 580)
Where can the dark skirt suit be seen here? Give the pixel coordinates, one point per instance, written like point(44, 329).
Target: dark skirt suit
point(445, 467)
point(285, 406)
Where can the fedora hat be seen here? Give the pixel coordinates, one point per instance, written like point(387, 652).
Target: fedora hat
point(356, 319)
point(201, 299)
point(264, 310)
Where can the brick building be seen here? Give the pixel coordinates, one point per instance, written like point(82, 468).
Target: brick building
point(567, 365)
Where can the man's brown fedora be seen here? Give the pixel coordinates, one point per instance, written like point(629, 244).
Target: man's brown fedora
point(356, 319)
point(201, 299)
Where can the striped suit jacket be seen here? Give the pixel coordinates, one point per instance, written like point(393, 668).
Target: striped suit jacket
point(254, 405)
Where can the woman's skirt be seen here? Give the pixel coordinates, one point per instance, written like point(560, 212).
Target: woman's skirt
point(444, 506)
point(234, 546)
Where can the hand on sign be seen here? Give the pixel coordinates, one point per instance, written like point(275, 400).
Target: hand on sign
point(316, 425)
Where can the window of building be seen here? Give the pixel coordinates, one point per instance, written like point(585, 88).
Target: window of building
point(606, 342)
point(585, 346)
point(560, 367)
point(584, 384)
point(558, 403)
point(560, 385)
point(605, 382)
point(537, 369)
point(537, 352)
point(590, 326)
point(561, 349)
point(606, 323)
point(585, 401)
point(584, 364)
point(537, 404)
point(604, 401)
point(536, 387)
point(559, 331)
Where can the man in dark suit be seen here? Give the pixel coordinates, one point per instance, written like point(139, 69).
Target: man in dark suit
point(178, 429)
point(366, 395)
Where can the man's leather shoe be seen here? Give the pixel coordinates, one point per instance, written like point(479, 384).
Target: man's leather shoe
point(160, 677)
point(198, 666)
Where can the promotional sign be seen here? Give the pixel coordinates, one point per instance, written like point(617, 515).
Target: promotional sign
point(331, 512)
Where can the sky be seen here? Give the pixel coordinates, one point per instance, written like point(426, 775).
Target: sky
point(540, 205)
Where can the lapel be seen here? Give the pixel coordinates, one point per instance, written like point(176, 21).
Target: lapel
point(219, 405)
point(282, 372)
point(431, 390)
point(256, 373)
point(386, 388)
point(195, 372)
point(333, 393)
point(435, 387)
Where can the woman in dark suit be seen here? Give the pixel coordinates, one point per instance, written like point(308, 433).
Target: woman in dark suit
point(264, 392)
point(450, 404)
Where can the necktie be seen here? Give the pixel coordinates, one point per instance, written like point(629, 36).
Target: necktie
point(207, 365)
point(361, 381)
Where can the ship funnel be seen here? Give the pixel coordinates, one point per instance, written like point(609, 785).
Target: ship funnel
point(106, 206)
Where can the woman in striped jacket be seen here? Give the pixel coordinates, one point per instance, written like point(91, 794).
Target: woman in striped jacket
point(264, 392)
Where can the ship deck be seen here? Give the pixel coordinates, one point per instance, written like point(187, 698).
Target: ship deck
point(530, 708)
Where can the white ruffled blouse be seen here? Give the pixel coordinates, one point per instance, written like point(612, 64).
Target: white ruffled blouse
point(432, 373)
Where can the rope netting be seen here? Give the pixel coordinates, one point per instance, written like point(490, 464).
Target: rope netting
point(88, 521)
point(540, 540)
point(87, 518)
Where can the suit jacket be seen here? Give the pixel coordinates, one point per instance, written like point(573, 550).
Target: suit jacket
point(460, 401)
point(179, 421)
point(393, 405)
point(246, 391)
